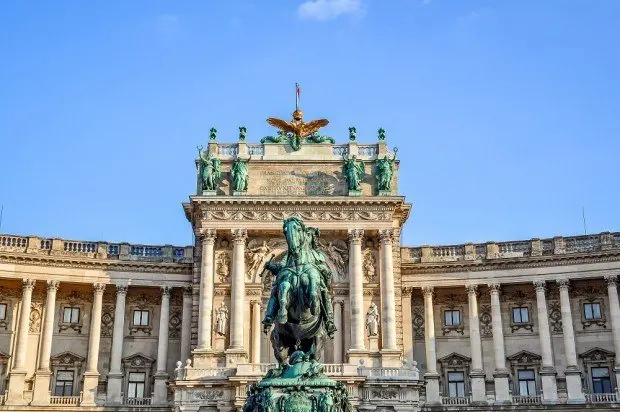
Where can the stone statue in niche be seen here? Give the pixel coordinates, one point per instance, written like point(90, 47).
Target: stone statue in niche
point(337, 254)
point(221, 319)
point(223, 267)
point(239, 174)
point(370, 274)
point(256, 255)
point(372, 320)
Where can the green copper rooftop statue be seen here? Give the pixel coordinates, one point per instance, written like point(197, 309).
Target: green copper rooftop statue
point(353, 171)
point(209, 170)
point(242, 133)
point(384, 170)
point(212, 133)
point(239, 175)
point(300, 317)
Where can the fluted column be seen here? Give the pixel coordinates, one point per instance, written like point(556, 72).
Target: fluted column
point(256, 329)
point(115, 376)
point(547, 370)
point(356, 293)
point(18, 373)
point(186, 324)
point(161, 375)
point(42, 376)
point(476, 374)
point(91, 376)
point(572, 372)
point(500, 374)
point(205, 305)
point(238, 291)
point(614, 309)
point(407, 324)
point(431, 376)
point(388, 308)
point(338, 344)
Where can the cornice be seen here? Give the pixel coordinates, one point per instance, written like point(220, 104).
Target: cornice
point(511, 263)
point(96, 264)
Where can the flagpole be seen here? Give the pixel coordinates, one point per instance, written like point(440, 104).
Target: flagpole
point(296, 96)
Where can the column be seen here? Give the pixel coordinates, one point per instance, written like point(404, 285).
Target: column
point(256, 329)
point(115, 376)
point(476, 374)
point(18, 373)
point(161, 375)
point(500, 374)
point(186, 324)
point(388, 309)
point(91, 376)
point(572, 372)
point(614, 309)
point(43, 374)
point(237, 297)
point(407, 325)
point(431, 376)
point(547, 370)
point(356, 292)
point(338, 344)
point(205, 305)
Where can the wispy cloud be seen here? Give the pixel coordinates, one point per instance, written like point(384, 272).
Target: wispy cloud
point(323, 10)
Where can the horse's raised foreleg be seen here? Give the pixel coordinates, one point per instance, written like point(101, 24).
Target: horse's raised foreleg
point(280, 352)
point(283, 300)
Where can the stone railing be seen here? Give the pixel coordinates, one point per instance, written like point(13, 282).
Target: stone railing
point(526, 400)
point(389, 373)
point(190, 373)
point(456, 400)
point(95, 250)
point(340, 149)
point(368, 150)
point(518, 249)
point(136, 401)
point(256, 149)
point(227, 150)
point(601, 397)
point(65, 400)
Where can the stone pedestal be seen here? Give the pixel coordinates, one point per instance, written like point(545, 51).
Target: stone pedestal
point(235, 356)
point(220, 343)
point(15, 391)
point(573, 386)
point(355, 192)
point(502, 387)
point(549, 386)
point(478, 390)
point(209, 192)
point(41, 394)
point(240, 192)
point(373, 344)
point(115, 389)
point(391, 358)
point(160, 391)
point(433, 397)
point(203, 358)
point(89, 389)
point(354, 356)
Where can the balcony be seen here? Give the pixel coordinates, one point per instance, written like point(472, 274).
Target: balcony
point(456, 400)
point(66, 400)
point(526, 400)
point(137, 401)
point(601, 398)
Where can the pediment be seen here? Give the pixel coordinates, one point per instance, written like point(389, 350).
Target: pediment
point(67, 358)
point(138, 360)
point(524, 357)
point(598, 355)
point(455, 359)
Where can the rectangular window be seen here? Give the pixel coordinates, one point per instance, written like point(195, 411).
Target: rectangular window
point(456, 384)
point(141, 317)
point(64, 383)
point(71, 315)
point(135, 388)
point(452, 317)
point(2, 311)
point(601, 380)
point(592, 311)
point(527, 382)
point(520, 315)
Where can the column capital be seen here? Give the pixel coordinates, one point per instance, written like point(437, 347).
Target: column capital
point(239, 235)
point(255, 302)
point(407, 290)
point(386, 235)
point(188, 291)
point(612, 280)
point(165, 291)
point(207, 235)
point(52, 285)
point(121, 289)
point(472, 289)
point(339, 302)
point(99, 288)
point(28, 284)
point(356, 236)
point(540, 286)
point(494, 287)
point(428, 290)
point(563, 284)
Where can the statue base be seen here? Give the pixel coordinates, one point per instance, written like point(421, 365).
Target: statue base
point(209, 192)
point(355, 192)
point(385, 193)
point(240, 192)
point(300, 387)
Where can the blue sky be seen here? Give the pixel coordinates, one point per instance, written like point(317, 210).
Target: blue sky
point(505, 112)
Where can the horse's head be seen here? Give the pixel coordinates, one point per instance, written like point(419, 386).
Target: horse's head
point(295, 234)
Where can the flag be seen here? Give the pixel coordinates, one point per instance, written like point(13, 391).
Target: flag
point(297, 89)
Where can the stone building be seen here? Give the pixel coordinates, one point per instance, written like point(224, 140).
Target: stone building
point(93, 325)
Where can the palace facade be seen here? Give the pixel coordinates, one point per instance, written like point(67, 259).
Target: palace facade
point(529, 324)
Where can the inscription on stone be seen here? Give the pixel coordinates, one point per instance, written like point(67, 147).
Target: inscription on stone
point(291, 183)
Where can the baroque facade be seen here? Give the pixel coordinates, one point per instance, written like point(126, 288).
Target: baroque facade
point(94, 325)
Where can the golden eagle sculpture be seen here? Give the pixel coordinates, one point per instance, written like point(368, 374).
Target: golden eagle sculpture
point(297, 126)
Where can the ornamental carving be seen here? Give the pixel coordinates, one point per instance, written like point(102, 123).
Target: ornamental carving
point(36, 309)
point(371, 292)
point(454, 360)
point(384, 394)
point(598, 355)
point(589, 291)
point(519, 296)
point(107, 320)
point(450, 299)
point(222, 262)
point(336, 254)
point(306, 215)
point(524, 358)
point(418, 322)
point(174, 322)
point(207, 395)
point(555, 317)
point(369, 266)
point(486, 326)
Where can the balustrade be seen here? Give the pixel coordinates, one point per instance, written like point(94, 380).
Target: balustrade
point(340, 150)
point(137, 401)
point(456, 400)
point(65, 400)
point(601, 397)
point(227, 149)
point(256, 149)
point(526, 400)
point(368, 150)
point(13, 243)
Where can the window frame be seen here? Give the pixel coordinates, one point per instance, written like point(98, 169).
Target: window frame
point(454, 327)
point(459, 385)
point(586, 322)
point(527, 381)
point(527, 325)
point(131, 382)
point(71, 383)
point(601, 379)
point(72, 306)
